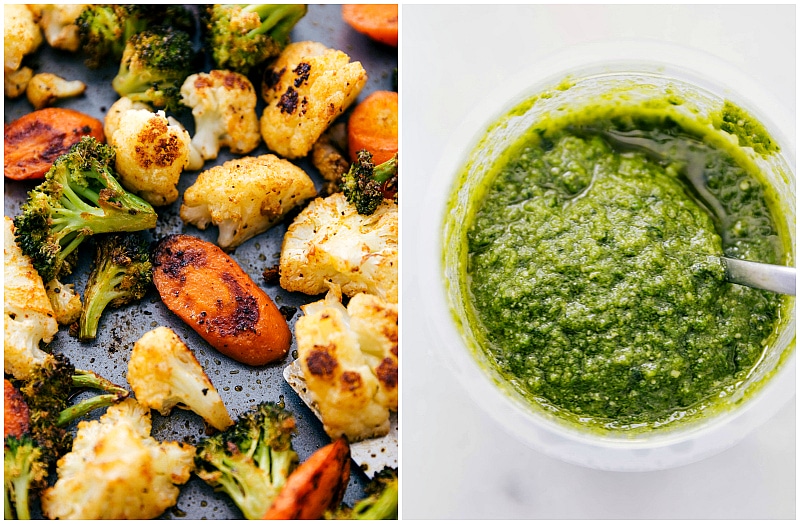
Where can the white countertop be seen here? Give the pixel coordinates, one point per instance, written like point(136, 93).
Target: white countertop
point(455, 461)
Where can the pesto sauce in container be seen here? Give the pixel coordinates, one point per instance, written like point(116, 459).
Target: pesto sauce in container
point(585, 267)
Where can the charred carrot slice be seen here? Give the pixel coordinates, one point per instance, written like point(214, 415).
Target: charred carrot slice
point(373, 126)
point(209, 291)
point(316, 485)
point(34, 141)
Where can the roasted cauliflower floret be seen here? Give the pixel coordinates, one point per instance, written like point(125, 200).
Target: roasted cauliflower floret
point(164, 373)
point(16, 82)
point(116, 470)
point(29, 317)
point(58, 24)
point(151, 155)
point(21, 35)
point(65, 301)
point(224, 108)
point(44, 89)
point(305, 89)
point(115, 112)
point(245, 197)
point(330, 242)
point(349, 360)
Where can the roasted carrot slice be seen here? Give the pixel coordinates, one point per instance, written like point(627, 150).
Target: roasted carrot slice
point(209, 291)
point(373, 126)
point(316, 485)
point(34, 141)
point(377, 21)
point(16, 415)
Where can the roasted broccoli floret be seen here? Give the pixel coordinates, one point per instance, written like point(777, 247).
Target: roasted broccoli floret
point(104, 29)
point(48, 392)
point(154, 65)
point(79, 197)
point(251, 460)
point(243, 36)
point(24, 473)
point(122, 273)
point(366, 185)
point(380, 503)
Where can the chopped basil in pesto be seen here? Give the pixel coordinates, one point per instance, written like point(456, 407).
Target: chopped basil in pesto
point(588, 269)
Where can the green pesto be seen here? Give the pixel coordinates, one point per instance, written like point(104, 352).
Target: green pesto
point(587, 267)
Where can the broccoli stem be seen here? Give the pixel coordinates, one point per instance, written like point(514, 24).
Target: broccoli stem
point(276, 19)
point(85, 406)
point(99, 298)
point(385, 171)
point(89, 379)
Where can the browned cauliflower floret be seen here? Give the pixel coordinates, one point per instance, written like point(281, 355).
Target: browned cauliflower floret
point(115, 112)
point(21, 35)
point(16, 82)
point(164, 373)
point(44, 89)
point(224, 108)
point(58, 24)
point(305, 89)
point(151, 154)
point(349, 359)
point(29, 317)
point(245, 197)
point(116, 470)
point(65, 301)
point(330, 242)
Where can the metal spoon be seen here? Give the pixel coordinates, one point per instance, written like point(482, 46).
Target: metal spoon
point(779, 279)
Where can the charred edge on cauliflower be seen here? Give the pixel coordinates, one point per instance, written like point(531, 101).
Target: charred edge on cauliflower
point(80, 197)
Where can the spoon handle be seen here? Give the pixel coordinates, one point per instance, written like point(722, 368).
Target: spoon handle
point(780, 279)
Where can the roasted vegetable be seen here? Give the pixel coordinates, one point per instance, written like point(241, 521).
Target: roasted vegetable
point(306, 88)
point(366, 185)
point(121, 273)
point(210, 292)
point(34, 141)
point(80, 197)
point(316, 486)
point(251, 460)
point(164, 373)
point(116, 470)
point(241, 37)
point(245, 197)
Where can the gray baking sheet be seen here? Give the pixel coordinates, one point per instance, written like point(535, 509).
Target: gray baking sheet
point(239, 385)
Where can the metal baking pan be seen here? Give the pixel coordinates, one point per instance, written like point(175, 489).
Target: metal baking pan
point(239, 385)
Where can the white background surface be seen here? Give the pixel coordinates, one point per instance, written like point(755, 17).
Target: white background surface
point(456, 463)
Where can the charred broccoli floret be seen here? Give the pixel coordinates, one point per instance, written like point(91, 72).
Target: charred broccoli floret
point(104, 29)
point(154, 65)
point(380, 503)
point(243, 36)
point(251, 460)
point(122, 273)
point(48, 392)
point(24, 473)
point(366, 185)
point(79, 197)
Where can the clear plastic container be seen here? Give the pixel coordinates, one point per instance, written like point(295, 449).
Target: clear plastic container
point(706, 82)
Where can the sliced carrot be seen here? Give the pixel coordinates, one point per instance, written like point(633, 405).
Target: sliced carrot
point(373, 126)
point(34, 141)
point(377, 21)
point(316, 485)
point(16, 415)
point(209, 291)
